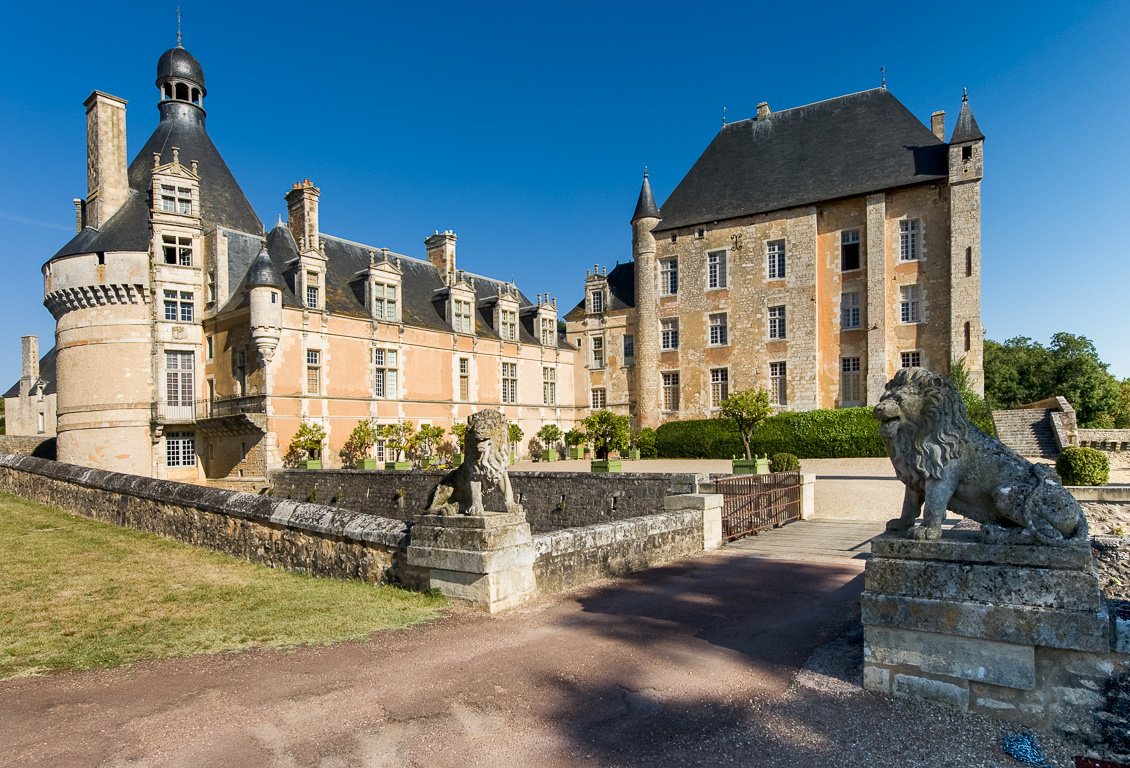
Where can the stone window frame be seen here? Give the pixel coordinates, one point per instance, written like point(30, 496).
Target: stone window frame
point(775, 259)
point(508, 324)
point(549, 385)
point(911, 358)
point(180, 449)
point(669, 276)
point(721, 275)
point(386, 373)
point(669, 391)
point(718, 334)
point(463, 314)
point(599, 398)
point(857, 389)
point(180, 379)
point(596, 301)
point(181, 248)
point(719, 386)
point(779, 382)
point(911, 309)
point(910, 239)
point(313, 290)
point(849, 321)
point(464, 368)
point(508, 372)
point(844, 241)
point(386, 307)
point(548, 330)
point(313, 372)
point(629, 346)
point(777, 327)
point(182, 305)
point(599, 356)
point(668, 334)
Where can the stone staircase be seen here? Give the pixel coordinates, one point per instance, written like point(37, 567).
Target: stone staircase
point(1028, 431)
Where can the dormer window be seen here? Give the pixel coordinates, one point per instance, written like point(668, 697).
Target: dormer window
point(596, 300)
point(508, 325)
point(461, 316)
point(312, 290)
point(176, 199)
point(548, 331)
point(385, 303)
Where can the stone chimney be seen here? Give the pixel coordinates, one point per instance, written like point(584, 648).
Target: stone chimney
point(106, 184)
point(763, 110)
point(31, 363)
point(441, 254)
point(302, 215)
point(938, 124)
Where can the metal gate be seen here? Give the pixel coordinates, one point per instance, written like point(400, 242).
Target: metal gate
point(752, 503)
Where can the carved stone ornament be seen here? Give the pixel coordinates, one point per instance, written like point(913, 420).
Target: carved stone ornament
point(487, 457)
point(948, 463)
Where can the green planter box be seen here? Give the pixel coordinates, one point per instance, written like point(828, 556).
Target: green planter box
point(549, 454)
point(427, 461)
point(745, 466)
point(366, 463)
point(398, 465)
point(312, 464)
point(576, 452)
point(633, 455)
point(608, 465)
point(456, 459)
point(513, 458)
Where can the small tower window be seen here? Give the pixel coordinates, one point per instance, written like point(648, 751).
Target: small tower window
point(196, 96)
point(182, 92)
point(967, 153)
point(168, 90)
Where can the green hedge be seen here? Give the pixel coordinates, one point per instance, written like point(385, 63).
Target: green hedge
point(830, 434)
point(1082, 466)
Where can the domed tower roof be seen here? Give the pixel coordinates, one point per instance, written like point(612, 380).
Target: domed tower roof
point(263, 272)
point(179, 64)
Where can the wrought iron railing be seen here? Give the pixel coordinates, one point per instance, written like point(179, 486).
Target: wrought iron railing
point(752, 503)
point(174, 412)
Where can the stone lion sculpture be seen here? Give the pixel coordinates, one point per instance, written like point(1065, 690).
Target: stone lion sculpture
point(948, 463)
point(460, 492)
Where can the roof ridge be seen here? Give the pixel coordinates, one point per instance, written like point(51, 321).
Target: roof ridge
point(814, 103)
point(370, 247)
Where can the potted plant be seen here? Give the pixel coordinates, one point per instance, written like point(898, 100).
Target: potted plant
point(424, 443)
point(549, 434)
point(633, 446)
point(608, 432)
point(459, 431)
point(514, 434)
point(575, 439)
point(398, 436)
point(309, 438)
point(747, 408)
point(361, 441)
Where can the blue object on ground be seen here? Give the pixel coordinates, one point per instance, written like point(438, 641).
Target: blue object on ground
point(1023, 748)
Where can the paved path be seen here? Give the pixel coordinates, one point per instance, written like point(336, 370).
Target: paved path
point(815, 540)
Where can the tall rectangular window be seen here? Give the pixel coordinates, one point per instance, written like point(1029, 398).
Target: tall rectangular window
point(384, 302)
point(313, 372)
point(968, 336)
point(549, 386)
point(851, 387)
point(548, 332)
point(240, 361)
point(669, 333)
point(719, 386)
point(177, 250)
point(776, 259)
point(510, 383)
point(908, 240)
point(719, 335)
point(597, 351)
point(629, 349)
point(778, 383)
point(178, 306)
point(461, 316)
point(599, 399)
point(180, 449)
point(596, 299)
point(909, 305)
point(716, 269)
point(668, 277)
point(509, 325)
point(776, 322)
point(671, 391)
point(849, 311)
point(179, 385)
point(312, 290)
point(464, 379)
point(384, 373)
point(168, 199)
point(849, 250)
point(912, 359)
point(184, 200)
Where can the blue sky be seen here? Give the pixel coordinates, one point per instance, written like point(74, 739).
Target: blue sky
point(525, 127)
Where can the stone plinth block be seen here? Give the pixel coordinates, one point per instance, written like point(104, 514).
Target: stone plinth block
point(966, 547)
point(485, 560)
point(952, 656)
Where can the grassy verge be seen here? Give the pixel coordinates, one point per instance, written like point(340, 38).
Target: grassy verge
point(77, 594)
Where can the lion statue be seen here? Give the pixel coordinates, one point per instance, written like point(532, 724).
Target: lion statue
point(948, 463)
point(460, 492)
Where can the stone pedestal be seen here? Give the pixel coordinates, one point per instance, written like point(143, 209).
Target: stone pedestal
point(1020, 633)
point(484, 560)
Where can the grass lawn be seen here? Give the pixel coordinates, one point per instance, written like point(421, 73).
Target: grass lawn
point(77, 594)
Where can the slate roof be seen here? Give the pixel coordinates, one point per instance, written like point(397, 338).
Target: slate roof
point(179, 63)
point(850, 145)
point(621, 291)
point(345, 288)
point(645, 206)
point(46, 372)
point(966, 128)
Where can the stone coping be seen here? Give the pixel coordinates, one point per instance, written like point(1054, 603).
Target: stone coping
point(965, 546)
point(607, 534)
point(1105, 493)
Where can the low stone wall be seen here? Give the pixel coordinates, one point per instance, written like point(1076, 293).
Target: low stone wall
point(308, 538)
point(552, 500)
point(28, 445)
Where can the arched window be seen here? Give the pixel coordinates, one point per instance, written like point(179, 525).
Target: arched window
point(182, 92)
point(168, 90)
point(196, 96)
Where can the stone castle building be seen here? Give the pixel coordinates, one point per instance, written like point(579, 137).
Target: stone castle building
point(29, 404)
point(810, 251)
point(191, 343)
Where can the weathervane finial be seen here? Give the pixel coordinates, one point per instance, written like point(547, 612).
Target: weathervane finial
point(178, 27)
point(884, 71)
point(964, 95)
point(645, 171)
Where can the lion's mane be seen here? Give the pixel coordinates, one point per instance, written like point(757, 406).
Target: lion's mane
point(940, 433)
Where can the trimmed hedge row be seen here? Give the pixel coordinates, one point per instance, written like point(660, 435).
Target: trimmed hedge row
point(828, 434)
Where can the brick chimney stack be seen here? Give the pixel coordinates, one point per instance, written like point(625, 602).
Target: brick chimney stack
point(302, 215)
point(106, 184)
point(30, 363)
point(441, 254)
point(938, 124)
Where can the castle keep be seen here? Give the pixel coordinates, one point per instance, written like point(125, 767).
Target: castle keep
point(811, 251)
point(191, 343)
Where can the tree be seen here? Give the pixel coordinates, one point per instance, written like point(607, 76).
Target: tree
point(361, 439)
point(1122, 415)
point(975, 405)
point(549, 435)
point(574, 437)
point(309, 438)
point(1023, 371)
point(514, 434)
point(399, 437)
point(746, 408)
point(608, 432)
point(459, 431)
point(425, 441)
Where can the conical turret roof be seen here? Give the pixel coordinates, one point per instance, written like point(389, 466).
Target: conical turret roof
point(966, 128)
point(646, 207)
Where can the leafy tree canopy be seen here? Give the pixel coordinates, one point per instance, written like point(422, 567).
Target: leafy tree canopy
point(608, 432)
point(747, 408)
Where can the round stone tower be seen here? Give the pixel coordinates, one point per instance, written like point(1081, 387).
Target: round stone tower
point(644, 220)
point(264, 287)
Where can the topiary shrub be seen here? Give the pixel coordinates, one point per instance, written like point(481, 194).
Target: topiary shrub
point(1083, 466)
point(645, 441)
point(784, 462)
point(698, 439)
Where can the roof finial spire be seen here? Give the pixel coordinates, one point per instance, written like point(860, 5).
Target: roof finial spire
point(964, 95)
point(645, 171)
point(178, 27)
point(884, 71)
point(723, 117)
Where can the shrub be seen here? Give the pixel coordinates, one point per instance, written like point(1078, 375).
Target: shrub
point(309, 438)
point(608, 432)
point(645, 441)
point(459, 430)
point(1083, 466)
point(575, 437)
point(698, 439)
point(361, 439)
point(399, 437)
point(784, 462)
point(549, 435)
